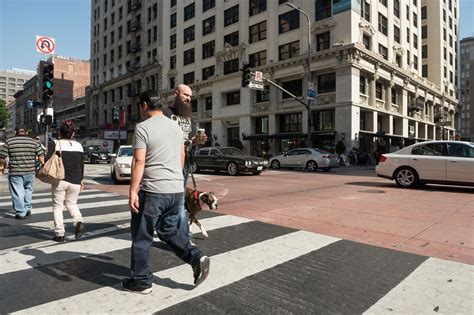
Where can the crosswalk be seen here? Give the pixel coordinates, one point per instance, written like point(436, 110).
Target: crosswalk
point(255, 268)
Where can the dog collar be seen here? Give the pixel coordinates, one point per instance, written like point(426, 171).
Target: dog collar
point(196, 198)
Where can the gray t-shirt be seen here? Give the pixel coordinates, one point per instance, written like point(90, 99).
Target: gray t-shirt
point(162, 138)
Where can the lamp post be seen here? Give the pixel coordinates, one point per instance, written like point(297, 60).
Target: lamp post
point(308, 61)
point(116, 120)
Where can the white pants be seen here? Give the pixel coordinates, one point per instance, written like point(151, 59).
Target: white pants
point(65, 194)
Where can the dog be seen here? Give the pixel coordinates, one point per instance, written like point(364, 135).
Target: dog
point(194, 200)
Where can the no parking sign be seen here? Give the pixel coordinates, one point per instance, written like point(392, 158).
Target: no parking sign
point(45, 44)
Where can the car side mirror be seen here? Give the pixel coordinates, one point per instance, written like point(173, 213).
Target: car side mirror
point(113, 155)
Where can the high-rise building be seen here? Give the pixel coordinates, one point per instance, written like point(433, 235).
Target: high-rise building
point(466, 101)
point(11, 81)
point(125, 44)
point(366, 62)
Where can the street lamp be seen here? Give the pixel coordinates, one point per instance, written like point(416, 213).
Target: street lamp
point(308, 61)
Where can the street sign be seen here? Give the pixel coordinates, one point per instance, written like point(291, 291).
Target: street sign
point(311, 92)
point(34, 104)
point(45, 44)
point(258, 76)
point(256, 86)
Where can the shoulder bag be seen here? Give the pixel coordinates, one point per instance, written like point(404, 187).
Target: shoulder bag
point(53, 170)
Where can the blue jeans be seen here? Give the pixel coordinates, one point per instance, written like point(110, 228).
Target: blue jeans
point(21, 189)
point(161, 212)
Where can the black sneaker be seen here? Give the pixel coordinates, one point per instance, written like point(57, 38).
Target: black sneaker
point(201, 270)
point(127, 285)
point(20, 217)
point(79, 230)
point(58, 238)
point(28, 213)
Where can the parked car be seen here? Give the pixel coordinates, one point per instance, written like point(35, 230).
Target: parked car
point(228, 159)
point(443, 162)
point(308, 158)
point(94, 154)
point(121, 164)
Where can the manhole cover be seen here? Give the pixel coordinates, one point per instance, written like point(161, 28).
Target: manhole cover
point(372, 191)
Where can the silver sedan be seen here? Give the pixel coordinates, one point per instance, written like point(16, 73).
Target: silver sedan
point(308, 158)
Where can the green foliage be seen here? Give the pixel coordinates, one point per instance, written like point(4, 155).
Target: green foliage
point(4, 114)
point(340, 147)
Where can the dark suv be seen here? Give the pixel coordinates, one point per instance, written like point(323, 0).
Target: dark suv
point(95, 154)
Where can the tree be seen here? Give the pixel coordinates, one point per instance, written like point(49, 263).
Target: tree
point(4, 114)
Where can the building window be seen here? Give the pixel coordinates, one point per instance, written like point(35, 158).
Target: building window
point(188, 78)
point(208, 4)
point(424, 51)
point(189, 34)
point(173, 20)
point(258, 59)
point(415, 19)
point(172, 83)
point(208, 103)
point(383, 24)
point(263, 96)
point(366, 41)
point(408, 35)
point(396, 34)
point(394, 96)
point(295, 87)
point(383, 51)
point(415, 41)
point(209, 25)
point(231, 66)
point(384, 2)
point(398, 60)
point(322, 41)
point(258, 32)
point(232, 38)
point(194, 106)
point(208, 72)
point(257, 6)
point(208, 49)
point(289, 21)
point(362, 85)
point(365, 10)
point(424, 71)
point(189, 12)
point(323, 9)
point(232, 98)
point(396, 8)
point(231, 15)
point(173, 62)
point(415, 62)
point(120, 32)
point(378, 90)
point(424, 13)
point(290, 50)
point(261, 124)
point(424, 32)
point(188, 57)
point(291, 122)
point(325, 120)
point(327, 83)
point(173, 41)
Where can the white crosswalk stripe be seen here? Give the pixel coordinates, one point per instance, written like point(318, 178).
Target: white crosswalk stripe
point(247, 257)
point(81, 197)
point(36, 195)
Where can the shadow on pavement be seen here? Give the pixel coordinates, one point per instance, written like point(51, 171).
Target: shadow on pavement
point(434, 188)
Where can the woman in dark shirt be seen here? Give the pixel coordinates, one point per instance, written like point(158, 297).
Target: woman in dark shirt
point(66, 192)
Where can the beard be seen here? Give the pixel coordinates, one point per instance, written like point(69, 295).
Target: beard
point(183, 109)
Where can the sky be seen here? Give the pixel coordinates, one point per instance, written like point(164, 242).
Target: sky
point(68, 21)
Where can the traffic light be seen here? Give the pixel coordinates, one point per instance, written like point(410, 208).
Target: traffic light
point(48, 120)
point(246, 75)
point(116, 118)
point(47, 75)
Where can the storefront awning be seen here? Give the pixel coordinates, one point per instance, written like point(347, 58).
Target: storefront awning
point(287, 135)
point(323, 133)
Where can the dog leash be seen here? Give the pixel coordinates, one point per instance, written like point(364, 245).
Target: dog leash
point(191, 172)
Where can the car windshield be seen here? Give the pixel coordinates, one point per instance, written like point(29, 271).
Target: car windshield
point(126, 152)
point(231, 151)
point(94, 148)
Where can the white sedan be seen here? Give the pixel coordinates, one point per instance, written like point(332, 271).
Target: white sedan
point(120, 166)
point(441, 162)
point(308, 158)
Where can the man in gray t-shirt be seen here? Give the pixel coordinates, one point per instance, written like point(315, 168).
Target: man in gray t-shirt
point(158, 159)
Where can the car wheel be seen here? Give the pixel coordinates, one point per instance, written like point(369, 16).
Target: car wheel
point(257, 173)
point(406, 177)
point(232, 169)
point(275, 164)
point(312, 166)
point(115, 179)
point(194, 167)
point(326, 169)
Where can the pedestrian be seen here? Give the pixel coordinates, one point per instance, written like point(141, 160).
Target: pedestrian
point(22, 152)
point(157, 195)
point(181, 112)
point(65, 192)
point(37, 162)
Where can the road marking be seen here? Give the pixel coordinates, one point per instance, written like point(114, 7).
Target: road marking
point(436, 285)
point(19, 258)
point(9, 197)
point(81, 197)
point(226, 268)
point(82, 206)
